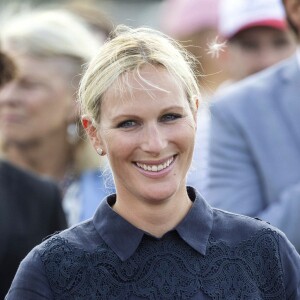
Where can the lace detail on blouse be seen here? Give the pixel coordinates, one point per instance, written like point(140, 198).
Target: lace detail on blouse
point(167, 268)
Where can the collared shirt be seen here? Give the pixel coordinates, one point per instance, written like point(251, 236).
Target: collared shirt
point(210, 254)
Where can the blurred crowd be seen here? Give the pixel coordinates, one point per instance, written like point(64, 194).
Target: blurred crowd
point(247, 152)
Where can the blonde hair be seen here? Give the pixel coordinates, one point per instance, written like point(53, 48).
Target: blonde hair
point(49, 33)
point(128, 50)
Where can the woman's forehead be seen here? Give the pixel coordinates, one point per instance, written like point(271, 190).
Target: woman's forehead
point(149, 89)
point(146, 78)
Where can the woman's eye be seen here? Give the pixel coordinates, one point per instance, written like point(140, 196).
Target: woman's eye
point(170, 117)
point(126, 124)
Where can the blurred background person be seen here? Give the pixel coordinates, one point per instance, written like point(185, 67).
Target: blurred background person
point(255, 142)
point(38, 110)
point(194, 23)
point(237, 38)
point(30, 208)
point(256, 34)
point(90, 12)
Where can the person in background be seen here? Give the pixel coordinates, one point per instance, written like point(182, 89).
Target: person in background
point(39, 118)
point(155, 238)
point(194, 23)
point(254, 166)
point(257, 36)
point(96, 19)
point(30, 208)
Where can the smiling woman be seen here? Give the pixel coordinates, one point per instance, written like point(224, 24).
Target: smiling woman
point(155, 238)
point(148, 138)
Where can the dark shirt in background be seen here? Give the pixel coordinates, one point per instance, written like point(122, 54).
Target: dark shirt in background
point(30, 209)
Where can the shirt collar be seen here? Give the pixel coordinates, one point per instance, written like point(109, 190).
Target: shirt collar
point(124, 238)
point(196, 226)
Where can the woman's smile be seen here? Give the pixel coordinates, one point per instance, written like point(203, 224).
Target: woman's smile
point(160, 168)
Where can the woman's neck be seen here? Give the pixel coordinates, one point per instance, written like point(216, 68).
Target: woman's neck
point(156, 219)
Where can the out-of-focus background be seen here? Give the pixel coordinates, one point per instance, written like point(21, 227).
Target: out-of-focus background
point(130, 12)
point(134, 12)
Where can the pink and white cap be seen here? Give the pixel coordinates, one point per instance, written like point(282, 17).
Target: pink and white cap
point(180, 18)
point(238, 15)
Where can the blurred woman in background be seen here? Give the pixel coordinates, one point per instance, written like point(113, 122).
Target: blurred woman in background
point(30, 208)
point(38, 110)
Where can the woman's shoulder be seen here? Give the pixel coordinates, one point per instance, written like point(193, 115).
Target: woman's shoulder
point(252, 237)
point(236, 228)
point(69, 245)
point(55, 266)
point(255, 245)
point(82, 236)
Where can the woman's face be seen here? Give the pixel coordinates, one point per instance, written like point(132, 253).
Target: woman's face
point(38, 103)
point(148, 135)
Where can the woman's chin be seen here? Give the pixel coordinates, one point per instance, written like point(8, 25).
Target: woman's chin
point(160, 194)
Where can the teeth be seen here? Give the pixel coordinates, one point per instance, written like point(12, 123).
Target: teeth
point(155, 168)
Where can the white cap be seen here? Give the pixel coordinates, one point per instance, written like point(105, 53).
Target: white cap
point(238, 15)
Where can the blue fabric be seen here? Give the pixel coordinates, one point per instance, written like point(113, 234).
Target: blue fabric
point(211, 254)
point(254, 157)
point(197, 175)
point(93, 188)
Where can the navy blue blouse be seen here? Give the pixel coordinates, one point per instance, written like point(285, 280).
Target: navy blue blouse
point(211, 254)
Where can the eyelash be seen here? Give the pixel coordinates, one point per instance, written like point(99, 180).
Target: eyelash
point(125, 124)
point(172, 115)
point(165, 118)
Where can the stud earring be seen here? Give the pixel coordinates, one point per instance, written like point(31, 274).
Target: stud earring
point(99, 151)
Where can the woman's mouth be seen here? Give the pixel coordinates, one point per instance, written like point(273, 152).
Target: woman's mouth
point(156, 167)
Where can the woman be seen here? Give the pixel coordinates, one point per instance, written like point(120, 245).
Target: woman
point(30, 208)
point(155, 238)
point(38, 111)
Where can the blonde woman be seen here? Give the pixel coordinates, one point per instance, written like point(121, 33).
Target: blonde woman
point(155, 238)
point(38, 111)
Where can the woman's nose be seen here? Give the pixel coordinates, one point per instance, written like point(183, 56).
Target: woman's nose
point(8, 93)
point(154, 139)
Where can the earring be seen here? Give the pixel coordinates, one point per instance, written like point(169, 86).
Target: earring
point(99, 151)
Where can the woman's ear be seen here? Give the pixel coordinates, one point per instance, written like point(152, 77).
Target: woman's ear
point(91, 132)
point(195, 113)
point(197, 104)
